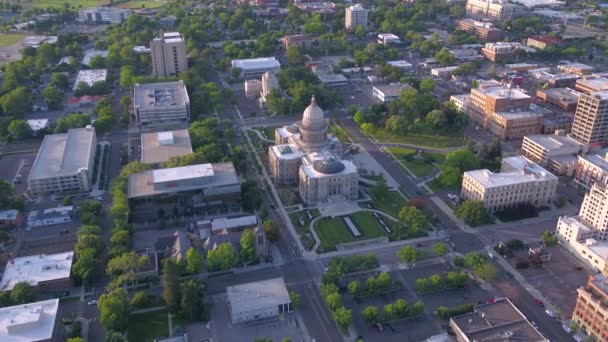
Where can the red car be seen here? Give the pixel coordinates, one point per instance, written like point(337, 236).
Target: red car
point(492, 300)
point(539, 302)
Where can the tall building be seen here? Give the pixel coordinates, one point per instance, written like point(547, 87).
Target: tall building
point(355, 16)
point(591, 119)
point(161, 104)
point(269, 83)
point(594, 210)
point(168, 55)
point(591, 311)
point(64, 162)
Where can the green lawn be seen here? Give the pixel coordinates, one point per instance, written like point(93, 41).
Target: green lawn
point(303, 231)
point(420, 167)
point(8, 39)
point(149, 326)
point(142, 4)
point(333, 231)
point(390, 203)
point(269, 131)
point(453, 139)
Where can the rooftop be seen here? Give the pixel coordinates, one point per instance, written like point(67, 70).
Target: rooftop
point(596, 160)
point(518, 114)
point(256, 63)
point(388, 37)
point(36, 268)
point(251, 296)
point(331, 77)
point(29, 322)
point(36, 41)
point(286, 151)
point(563, 94)
point(527, 167)
point(228, 223)
point(159, 147)
point(88, 54)
point(497, 321)
point(171, 37)
point(499, 91)
point(38, 124)
point(151, 96)
point(539, 3)
point(106, 9)
point(392, 89)
point(9, 214)
point(575, 65)
point(324, 163)
point(90, 76)
point(63, 154)
point(182, 173)
point(400, 64)
point(489, 179)
point(554, 142)
point(593, 82)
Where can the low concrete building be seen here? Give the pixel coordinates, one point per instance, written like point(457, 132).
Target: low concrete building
point(256, 67)
point(461, 102)
point(562, 98)
point(444, 72)
point(32, 322)
point(544, 41)
point(554, 80)
point(388, 92)
point(520, 181)
point(331, 80)
point(521, 67)
point(159, 147)
point(258, 300)
point(165, 104)
point(224, 225)
point(401, 64)
point(555, 152)
point(46, 272)
point(51, 216)
point(10, 218)
point(388, 39)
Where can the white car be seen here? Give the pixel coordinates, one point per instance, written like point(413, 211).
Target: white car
point(550, 313)
point(93, 302)
point(567, 329)
point(578, 338)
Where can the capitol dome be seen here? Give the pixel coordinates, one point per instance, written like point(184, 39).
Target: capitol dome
point(328, 166)
point(313, 128)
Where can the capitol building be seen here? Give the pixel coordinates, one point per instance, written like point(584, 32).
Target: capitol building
point(307, 155)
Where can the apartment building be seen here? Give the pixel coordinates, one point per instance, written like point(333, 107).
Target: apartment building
point(491, 96)
point(494, 9)
point(556, 152)
point(590, 169)
point(168, 55)
point(483, 30)
point(303, 41)
point(544, 41)
point(565, 99)
point(161, 104)
point(520, 181)
point(591, 84)
point(590, 124)
point(355, 16)
point(64, 162)
point(591, 310)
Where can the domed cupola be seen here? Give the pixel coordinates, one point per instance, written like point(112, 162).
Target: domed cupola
point(313, 128)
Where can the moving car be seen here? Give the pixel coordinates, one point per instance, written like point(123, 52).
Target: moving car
point(550, 313)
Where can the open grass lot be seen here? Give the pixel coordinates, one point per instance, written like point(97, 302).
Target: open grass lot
point(142, 4)
point(333, 231)
point(268, 130)
point(367, 224)
point(149, 326)
point(59, 3)
point(9, 39)
point(390, 203)
point(419, 166)
point(453, 139)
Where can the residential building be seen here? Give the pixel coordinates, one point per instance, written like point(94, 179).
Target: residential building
point(168, 54)
point(388, 39)
point(103, 15)
point(90, 77)
point(590, 169)
point(590, 84)
point(161, 104)
point(556, 153)
point(388, 92)
point(303, 41)
point(575, 68)
point(483, 30)
point(256, 67)
point(45, 272)
point(355, 16)
point(590, 124)
point(565, 99)
point(544, 41)
point(323, 177)
point(495, 321)
point(50, 216)
point(500, 51)
point(491, 97)
point(10, 218)
point(159, 147)
point(64, 162)
point(520, 181)
point(592, 307)
point(494, 9)
point(258, 300)
point(515, 124)
point(32, 322)
point(89, 54)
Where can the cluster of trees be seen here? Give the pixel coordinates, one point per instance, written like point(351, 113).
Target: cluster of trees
point(409, 254)
point(549, 238)
point(8, 197)
point(105, 115)
point(436, 282)
point(445, 313)
point(224, 257)
point(89, 212)
point(97, 88)
point(54, 91)
point(88, 249)
point(398, 310)
point(339, 266)
point(333, 300)
point(455, 164)
point(415, 220)
point(183, 298)
point(373, 286)
point(74, 120)
point(479, 264)
point(506, 248)
point(271, 230)
point(473, 213)
point(21, 293)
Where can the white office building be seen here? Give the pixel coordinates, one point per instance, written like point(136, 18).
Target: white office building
point(256, 67)
point(32, 322)
point(388, 92)
point(64, 162)
point(103, 15)
point(42, 271)
point(258, 300)
point(161, 104)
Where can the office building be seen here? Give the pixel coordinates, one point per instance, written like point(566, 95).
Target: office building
point(591, 84)
point(103, 15)
point(590, 124)
point(500, 51)
point(303, 41)
point(355, 16)
point(45, 272)
point(494, 9)
point(592, 307)
point(161, 104)
point(590, 169)
point(168, 55)
point(32, 322)
point(555, 152)
point(50, 216)
point(554, 80)
point(324, 177)
point(256, 67)
point(543, 42)
point(159, 147)
point(258, 300)
point(515, 124)
point(565, 99)
point(576, 68)
point(496, 321)
point(388, 39)
point(90, 77)
point(388, 92)
point(483, 30)
point(269, 83)
point(520, 181)
point(64, 163)
point(491, 97)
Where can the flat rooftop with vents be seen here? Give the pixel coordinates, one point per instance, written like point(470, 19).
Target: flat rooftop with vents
point(161, 104)
point(37, 269)
point(30, 322)
point(159, 147)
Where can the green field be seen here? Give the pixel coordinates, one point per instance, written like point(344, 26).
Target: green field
point(9, 39)
point(419, 167)
point(142, 4)
point(453, 139)
point(149, 326)
point(59, 3)
point(333, 231)
point(390, 203)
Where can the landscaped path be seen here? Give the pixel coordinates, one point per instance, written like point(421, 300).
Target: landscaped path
point(260, 135)
point(416, 147)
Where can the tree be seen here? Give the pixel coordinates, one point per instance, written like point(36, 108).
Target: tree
point(427, 85)
point(194, 261)
point(19, 129)
point(123, 268)
point(115, 336)
point(457, 12)
point(17, 101)
point(384, 281)
point(370, 314)
point(436, 119)
point(296, 299)
point(271, 230)
point(333, 301)
point(191, 305)
point(171, 285)
point(444, 57)
point(343, 317)
point(486, 271)
point(455, 164)
point(440, 248)
point(360, 32)
point(248, 246)
point(474, 259)
point(473, 213)
point(400, 308)
point(549, 239)
point(114, 310)
point(414, 218)
point(294, 55)
point(97, 62)
point(23, 293)
point(140, 300)
point(407, 254)
point(354, 288)
point(222, 258)
point(75, 339)
point(53, 96)
point(8, 198)
point(86, 264)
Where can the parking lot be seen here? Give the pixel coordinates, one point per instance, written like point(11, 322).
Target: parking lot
point(15, 169)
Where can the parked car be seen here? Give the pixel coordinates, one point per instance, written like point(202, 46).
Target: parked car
point(539, 302)
point(550, 313)
point(567, 329)
point(93, 302)
point(578, 338)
